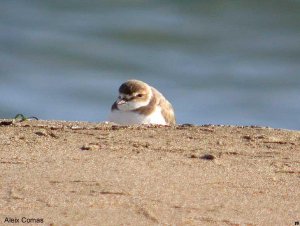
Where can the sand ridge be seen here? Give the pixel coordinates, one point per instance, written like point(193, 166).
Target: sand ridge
point(78, 173)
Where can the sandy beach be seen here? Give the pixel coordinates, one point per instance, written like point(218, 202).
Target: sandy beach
point(77, 173)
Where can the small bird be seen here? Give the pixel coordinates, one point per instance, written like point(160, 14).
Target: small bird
point(139, 103)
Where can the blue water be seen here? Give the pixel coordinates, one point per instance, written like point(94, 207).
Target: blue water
point(218, 62)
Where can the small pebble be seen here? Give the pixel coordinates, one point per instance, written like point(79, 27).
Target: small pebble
point(193, 156)
point(85, 147)
point(208, 157)
point(248, 137)
point(219, 142)
point(75, 128)
point(6, 123)
point(41, 133)
point(53, 135)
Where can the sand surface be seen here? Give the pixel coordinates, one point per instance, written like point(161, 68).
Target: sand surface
point(75, 173)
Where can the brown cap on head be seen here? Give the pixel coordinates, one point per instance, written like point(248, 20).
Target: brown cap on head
point(133, 86)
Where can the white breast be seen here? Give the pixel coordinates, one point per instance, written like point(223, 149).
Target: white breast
point(129, 117)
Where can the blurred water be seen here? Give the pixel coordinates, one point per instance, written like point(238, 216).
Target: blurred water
point(218, 62)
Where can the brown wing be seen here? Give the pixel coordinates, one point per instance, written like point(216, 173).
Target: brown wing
point(166, 108)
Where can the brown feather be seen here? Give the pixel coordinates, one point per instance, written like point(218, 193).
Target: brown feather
point(166, 108)
point(158, 99)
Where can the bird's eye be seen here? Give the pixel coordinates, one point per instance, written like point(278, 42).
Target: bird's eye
point(140, 95)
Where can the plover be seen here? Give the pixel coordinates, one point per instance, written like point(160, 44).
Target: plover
point(139, 103)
